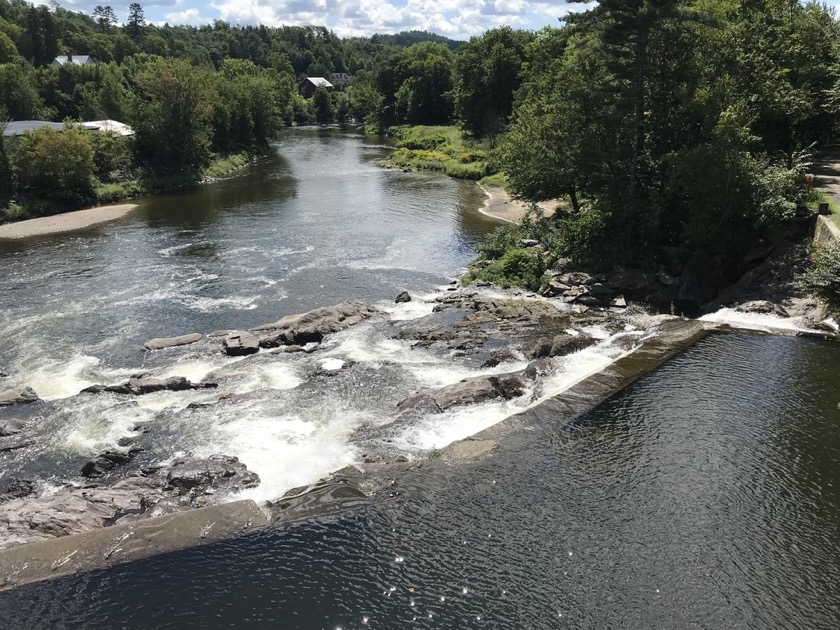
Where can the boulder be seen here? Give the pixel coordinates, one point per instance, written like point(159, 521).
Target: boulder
point(314, 325)
point(170, 342)
point(198, 476)
point(763, 307)
point(107, 461)
point(555, 288)
point(465, 392)
point(240, 343)
point(18, 396)
point(403, 297)
point(619, 302)
point(588, 300)
point(561, 345)
point(573, 278)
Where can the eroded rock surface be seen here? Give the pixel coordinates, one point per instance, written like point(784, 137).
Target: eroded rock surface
point(137, 386)
point(171, 342)
point(189, 483)
point(314, 325)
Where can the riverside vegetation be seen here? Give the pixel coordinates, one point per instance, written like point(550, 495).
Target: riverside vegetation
point(677, 133)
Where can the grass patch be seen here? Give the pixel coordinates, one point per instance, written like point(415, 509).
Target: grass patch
point(120, 191)
point(224, 166)
point(436, 148)
point(496, 180)
point(816, 197)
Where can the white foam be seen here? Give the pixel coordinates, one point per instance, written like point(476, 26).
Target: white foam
point(290, 451)
point(756, 321)
point(61, 379)
point(101, 427)
point(332, 364)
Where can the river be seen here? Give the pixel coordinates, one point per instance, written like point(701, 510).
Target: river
point(705, 495)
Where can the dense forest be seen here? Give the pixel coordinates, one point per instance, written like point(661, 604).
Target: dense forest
point(674, 132)
point(200, 99)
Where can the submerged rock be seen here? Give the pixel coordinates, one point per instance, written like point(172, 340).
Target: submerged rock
point(17, 489)
point(10, 427)
point(561, 345)
point(18, 396)
point(240, 343)
point(107, 461)
point(171, 342)
point(217, 471)
point(137, 386)
point(313, 325)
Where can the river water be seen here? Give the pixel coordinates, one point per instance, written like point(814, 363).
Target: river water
point(706, 495)
point(313, 225)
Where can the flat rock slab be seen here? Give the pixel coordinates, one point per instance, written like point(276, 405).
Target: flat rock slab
point(18, 397)
point(125, 543)
point(171, 342)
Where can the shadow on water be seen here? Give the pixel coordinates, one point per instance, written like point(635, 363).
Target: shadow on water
point(260, 188)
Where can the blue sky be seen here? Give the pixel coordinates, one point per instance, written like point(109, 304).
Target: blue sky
point(459, 19)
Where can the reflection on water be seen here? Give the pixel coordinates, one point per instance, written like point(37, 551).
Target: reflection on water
point(703, 496)
point(314, 224)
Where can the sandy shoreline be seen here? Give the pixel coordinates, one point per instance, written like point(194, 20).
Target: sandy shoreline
point(500, 205)
point(65, 222)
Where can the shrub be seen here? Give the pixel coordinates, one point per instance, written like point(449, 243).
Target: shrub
point(823, 278)
point(55, 166)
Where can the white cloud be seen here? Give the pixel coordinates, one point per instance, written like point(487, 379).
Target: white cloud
point(187, 16)
point(454, 18)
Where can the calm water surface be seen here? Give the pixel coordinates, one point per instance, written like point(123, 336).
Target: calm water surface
point(706, 495)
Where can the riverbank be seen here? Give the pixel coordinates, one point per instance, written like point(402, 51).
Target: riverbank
point(64, 222)
point(500, 205)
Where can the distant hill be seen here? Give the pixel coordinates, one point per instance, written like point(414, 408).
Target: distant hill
point(407, 38)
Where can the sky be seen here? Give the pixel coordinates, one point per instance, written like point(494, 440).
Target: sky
point(458, 19)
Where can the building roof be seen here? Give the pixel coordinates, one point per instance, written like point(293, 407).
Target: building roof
point(20, 127)
point(318, 82)
point(78, 60)
point(112, 126)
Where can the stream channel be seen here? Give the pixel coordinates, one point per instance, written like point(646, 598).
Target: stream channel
point(705, 495)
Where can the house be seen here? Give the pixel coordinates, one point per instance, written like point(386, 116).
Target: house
point(76, 60)
point(307, 87)
point(341, 79)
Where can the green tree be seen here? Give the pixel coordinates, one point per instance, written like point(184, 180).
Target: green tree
point(488, 73)
point(136, 22)
point(55, 165)
point(104, 17)
point(323, 106)
point(18, 94)
point(172, 116)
